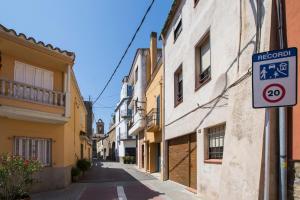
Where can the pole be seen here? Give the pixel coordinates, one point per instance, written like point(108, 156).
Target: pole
point(267, 155)
point(282, 120)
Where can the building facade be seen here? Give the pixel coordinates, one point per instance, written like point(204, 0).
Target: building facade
point(212, 145)
point(137, 80)
point(292, 16)
point(42, 114)
point(153, 146)
point(125, 143)
point(89, 117)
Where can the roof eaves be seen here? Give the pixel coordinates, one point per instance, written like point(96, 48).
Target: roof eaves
point(50, 47)
point(173, 10)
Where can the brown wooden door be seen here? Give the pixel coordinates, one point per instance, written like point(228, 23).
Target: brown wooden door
point(179, 160)
point(183, 160)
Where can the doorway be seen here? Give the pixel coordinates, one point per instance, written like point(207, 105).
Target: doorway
point(158, 157)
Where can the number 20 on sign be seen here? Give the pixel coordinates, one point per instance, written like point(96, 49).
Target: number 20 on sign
point(274, 78)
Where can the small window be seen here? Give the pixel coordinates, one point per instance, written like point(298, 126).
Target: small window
point(178, 29)
point(34, 148)
point(136, 74)
point(203, 62)
point(215, 142)
point(178, 86)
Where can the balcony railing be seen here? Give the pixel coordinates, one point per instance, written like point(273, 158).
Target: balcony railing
point(26, 92)
point(152, 120)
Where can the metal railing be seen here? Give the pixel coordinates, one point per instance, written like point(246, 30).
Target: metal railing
point(152, 119)
point(26, 92)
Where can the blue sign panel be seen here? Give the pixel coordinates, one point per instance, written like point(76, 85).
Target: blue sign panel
point(274, 70)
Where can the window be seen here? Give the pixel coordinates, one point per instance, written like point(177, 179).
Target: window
point(35, 76)
point(178, 29)
point(203, 62)
point(215, 141)
point(136, 74)
point(178, 86)
point(34, 148)
point(158, 109)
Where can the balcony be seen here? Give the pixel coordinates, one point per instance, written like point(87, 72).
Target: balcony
point(126, 113)
point(26, 102)
point(152, 120)
point(25, 92)
point(123, 136)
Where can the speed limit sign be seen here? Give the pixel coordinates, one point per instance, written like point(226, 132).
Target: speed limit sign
point(274, 78)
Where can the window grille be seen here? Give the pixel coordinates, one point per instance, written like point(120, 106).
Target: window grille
point(216, 141)
point(34, 148)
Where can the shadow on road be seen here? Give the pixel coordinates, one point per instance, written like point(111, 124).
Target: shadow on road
point(112, 178)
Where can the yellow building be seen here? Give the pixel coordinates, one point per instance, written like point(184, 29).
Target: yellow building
point(153, 145)
point(42, 114)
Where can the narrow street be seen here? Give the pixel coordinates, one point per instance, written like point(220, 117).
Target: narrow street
point(109, 181)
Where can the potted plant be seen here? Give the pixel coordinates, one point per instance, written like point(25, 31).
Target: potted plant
point(83, 165)
point(75, 173)
point(16, 176)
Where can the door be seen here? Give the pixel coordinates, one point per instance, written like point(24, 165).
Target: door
point(182, 153)
point(158, 156)
point(143, 155)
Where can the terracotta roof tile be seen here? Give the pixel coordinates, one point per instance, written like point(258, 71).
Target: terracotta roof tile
point(40, 43)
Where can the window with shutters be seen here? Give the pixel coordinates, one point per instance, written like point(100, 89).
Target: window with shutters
point(34, 148)
point(31, 75)
point(203, 62)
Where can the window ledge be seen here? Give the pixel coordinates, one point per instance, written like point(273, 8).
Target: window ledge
point(200, 85)
point(213, 161)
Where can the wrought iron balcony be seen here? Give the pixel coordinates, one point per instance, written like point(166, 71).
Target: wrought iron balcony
point(153, 120)
point(29, 93)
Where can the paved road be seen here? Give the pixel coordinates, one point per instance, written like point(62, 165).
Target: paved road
point(115, 181)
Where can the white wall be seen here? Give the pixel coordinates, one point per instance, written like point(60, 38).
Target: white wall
point(139, 90)
point(244, 126)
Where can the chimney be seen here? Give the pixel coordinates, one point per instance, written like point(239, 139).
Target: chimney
point(153, 51)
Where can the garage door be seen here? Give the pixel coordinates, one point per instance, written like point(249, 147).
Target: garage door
point(183, 160)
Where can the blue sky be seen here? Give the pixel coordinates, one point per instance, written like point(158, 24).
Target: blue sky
point(98, 31)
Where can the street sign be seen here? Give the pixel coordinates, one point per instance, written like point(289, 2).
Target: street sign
point(274, 78)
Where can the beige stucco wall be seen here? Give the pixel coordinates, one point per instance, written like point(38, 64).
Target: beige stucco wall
point(239, 175)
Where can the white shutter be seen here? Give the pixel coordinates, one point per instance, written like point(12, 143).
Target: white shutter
point(29, 74)
point(205, 55)
point(48, 80)
point(19, 72)
point(29, 79)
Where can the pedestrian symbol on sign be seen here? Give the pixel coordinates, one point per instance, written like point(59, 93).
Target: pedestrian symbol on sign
point(274, 70)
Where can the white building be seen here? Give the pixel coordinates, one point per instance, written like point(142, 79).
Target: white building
point(125, 144)
point(214, 137)
point(137, 79)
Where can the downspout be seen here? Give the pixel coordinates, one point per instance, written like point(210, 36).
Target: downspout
point(165, 143)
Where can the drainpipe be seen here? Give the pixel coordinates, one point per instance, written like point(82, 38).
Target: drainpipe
point(165, 143)
point(282, 118)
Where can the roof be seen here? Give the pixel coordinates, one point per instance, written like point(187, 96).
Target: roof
point(49, 47)
point(174, 7)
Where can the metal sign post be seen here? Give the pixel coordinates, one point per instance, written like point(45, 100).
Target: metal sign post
point(274, 84)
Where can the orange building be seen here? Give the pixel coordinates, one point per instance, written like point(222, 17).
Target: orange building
point(292, 14)
point(42, 114)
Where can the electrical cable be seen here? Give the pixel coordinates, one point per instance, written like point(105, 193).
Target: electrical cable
point(125, 52)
